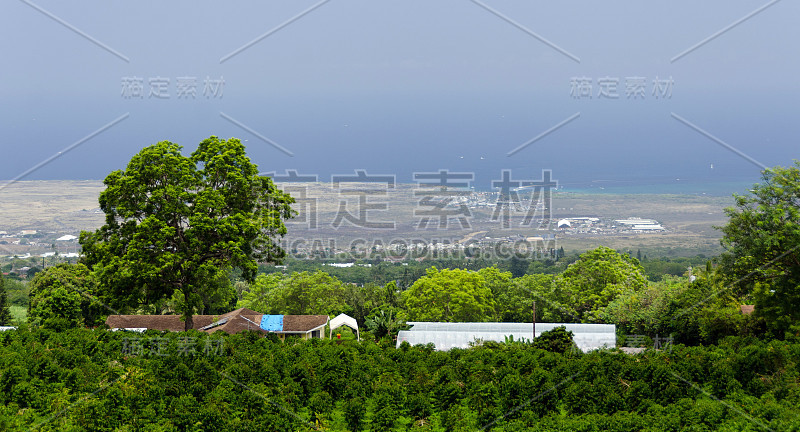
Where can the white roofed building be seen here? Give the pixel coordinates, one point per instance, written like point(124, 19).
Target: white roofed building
point(637, 224)
point(654, 227)
point(446, 336)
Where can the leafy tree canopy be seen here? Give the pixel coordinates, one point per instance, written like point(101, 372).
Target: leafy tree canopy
point(598, 277)
point(65, 296)
point(514, 297)
point(173, 223)
point(261, 293)
point(647, 311)
point(549, 294)
point(450, 296)
point(762, 242)
point(296, 294)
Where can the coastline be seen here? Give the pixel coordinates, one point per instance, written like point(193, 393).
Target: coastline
point(676, 187)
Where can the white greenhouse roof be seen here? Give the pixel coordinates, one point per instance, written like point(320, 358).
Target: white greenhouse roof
point(446, 336)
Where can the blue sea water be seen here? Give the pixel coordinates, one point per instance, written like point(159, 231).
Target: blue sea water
point(676, 187)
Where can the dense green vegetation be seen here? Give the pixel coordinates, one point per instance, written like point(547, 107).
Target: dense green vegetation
point(89, 380)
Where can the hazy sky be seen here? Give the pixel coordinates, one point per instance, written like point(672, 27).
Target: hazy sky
point(397, 87)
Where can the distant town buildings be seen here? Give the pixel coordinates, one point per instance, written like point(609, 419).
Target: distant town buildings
point(638, 224)
point(28, 242)
point(598, 226)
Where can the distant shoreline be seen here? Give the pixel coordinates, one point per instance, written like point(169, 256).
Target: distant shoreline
point(678, 187)
point(604, 187)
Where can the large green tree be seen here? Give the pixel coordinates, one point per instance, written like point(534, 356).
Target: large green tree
point(261, 292)
point(174, 224)
point(762, 242)
point(650, 310)
point(548, 293)
point(597, 278)
point(64, 296)
point(296, 294)
point(450, 296)
point(513, 299)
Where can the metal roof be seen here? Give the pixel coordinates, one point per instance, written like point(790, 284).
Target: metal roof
point(446, 336)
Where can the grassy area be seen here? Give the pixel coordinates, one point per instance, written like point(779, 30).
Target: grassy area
point(19, 313)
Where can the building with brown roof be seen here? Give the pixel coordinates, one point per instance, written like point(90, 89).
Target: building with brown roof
point(239, 320)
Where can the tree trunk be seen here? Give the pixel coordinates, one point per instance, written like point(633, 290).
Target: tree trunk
point(189, 323)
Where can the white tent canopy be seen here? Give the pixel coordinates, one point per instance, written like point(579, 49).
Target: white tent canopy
point(344, 320)
point(67, 237)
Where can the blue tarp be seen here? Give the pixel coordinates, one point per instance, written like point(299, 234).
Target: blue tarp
point(272, 322)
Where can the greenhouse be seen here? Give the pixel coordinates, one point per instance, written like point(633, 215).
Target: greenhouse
point(446, 336)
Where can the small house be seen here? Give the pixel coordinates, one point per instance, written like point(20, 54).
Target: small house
point(239, 320)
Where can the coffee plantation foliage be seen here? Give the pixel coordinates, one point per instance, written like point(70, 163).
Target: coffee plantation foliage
point(81, 379)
